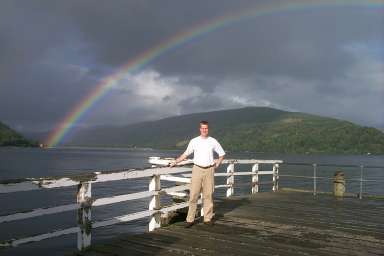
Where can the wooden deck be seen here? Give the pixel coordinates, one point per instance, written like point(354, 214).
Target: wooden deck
point(281, 223)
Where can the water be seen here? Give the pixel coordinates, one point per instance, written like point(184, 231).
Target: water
point(34, 162)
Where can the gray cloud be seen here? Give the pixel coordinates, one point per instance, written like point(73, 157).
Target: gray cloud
point(326, 61)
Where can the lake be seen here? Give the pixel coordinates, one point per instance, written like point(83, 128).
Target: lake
point(36, 162)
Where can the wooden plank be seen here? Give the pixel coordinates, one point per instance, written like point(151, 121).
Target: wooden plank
point(38, 212)
point(134, 174)
point(251, 161)
point(69, 207)
point(178, 194)
point(280, 223)
point(165, 161)
point(239, 242)
point(123, 218)
point(17, 242)
point(222, 186)
point(222, 174)
point(175, 178)
point(122, 198)
point(94, 177)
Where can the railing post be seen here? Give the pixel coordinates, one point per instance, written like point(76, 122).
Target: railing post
point(84, 199)
point(230, 179)
point(154, 203)
point(361, 181)
point(255, 178)
point(314, 180)
point(275, 177)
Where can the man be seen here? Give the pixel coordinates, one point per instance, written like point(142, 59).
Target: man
point(203, 171)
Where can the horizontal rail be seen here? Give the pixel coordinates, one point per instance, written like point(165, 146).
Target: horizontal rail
point(225, 174)
point(9, 186)
point(38, 212)
point(178, 194)
point(122, 198)
point(304, 177)
point(104, 223)
point(166, 161)
point(155, 160)
point(244, 173)
point(17, 242)
point(97, 202)
point(123, 218)
point(380, 181)
point(328, 178)
point(175, 178)
point(251, 161)
point(334, 165)
point(223, 186)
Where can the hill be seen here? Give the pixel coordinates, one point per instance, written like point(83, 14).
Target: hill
point(247, 129)
point(9, 137)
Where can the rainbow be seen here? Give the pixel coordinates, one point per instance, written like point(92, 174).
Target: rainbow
point(199, 30)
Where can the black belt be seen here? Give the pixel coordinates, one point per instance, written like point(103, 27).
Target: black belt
point(204, 167)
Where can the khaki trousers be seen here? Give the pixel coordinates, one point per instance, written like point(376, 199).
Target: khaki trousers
point(202, 179)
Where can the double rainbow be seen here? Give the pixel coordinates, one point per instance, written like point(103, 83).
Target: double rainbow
point(179, 39)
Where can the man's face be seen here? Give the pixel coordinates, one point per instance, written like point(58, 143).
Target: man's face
point(204, 130)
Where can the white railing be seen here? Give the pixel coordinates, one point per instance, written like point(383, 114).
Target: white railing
point(85, 201)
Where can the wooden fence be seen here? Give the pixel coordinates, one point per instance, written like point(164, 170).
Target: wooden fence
point(85, 200)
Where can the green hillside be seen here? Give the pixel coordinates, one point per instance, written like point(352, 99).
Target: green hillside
point(9, 137)
point(248, 129)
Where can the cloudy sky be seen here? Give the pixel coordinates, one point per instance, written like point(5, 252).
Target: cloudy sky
point(326, 61)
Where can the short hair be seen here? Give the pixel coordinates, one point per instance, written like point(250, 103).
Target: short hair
point(203, 122)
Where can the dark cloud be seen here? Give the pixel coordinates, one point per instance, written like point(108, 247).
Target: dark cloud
point(53, 53)
point(300, 44)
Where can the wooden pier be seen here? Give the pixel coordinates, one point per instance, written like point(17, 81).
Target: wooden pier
point(279, 222)
point(269, 223)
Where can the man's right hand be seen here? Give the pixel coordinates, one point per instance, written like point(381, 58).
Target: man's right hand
point(172, 163)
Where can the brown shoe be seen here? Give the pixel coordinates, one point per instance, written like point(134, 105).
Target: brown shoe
point(189, 224)
point(209, 223)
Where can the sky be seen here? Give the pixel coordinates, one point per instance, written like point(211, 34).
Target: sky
point(326, 61)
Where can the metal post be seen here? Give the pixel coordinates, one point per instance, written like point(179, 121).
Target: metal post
point(314, 179)
point(255, 178)
point(154, 204)
point(361, 181)
point(84, 199)
point(230, 179)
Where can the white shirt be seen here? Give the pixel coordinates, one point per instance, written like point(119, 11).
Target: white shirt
point(202, 149)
